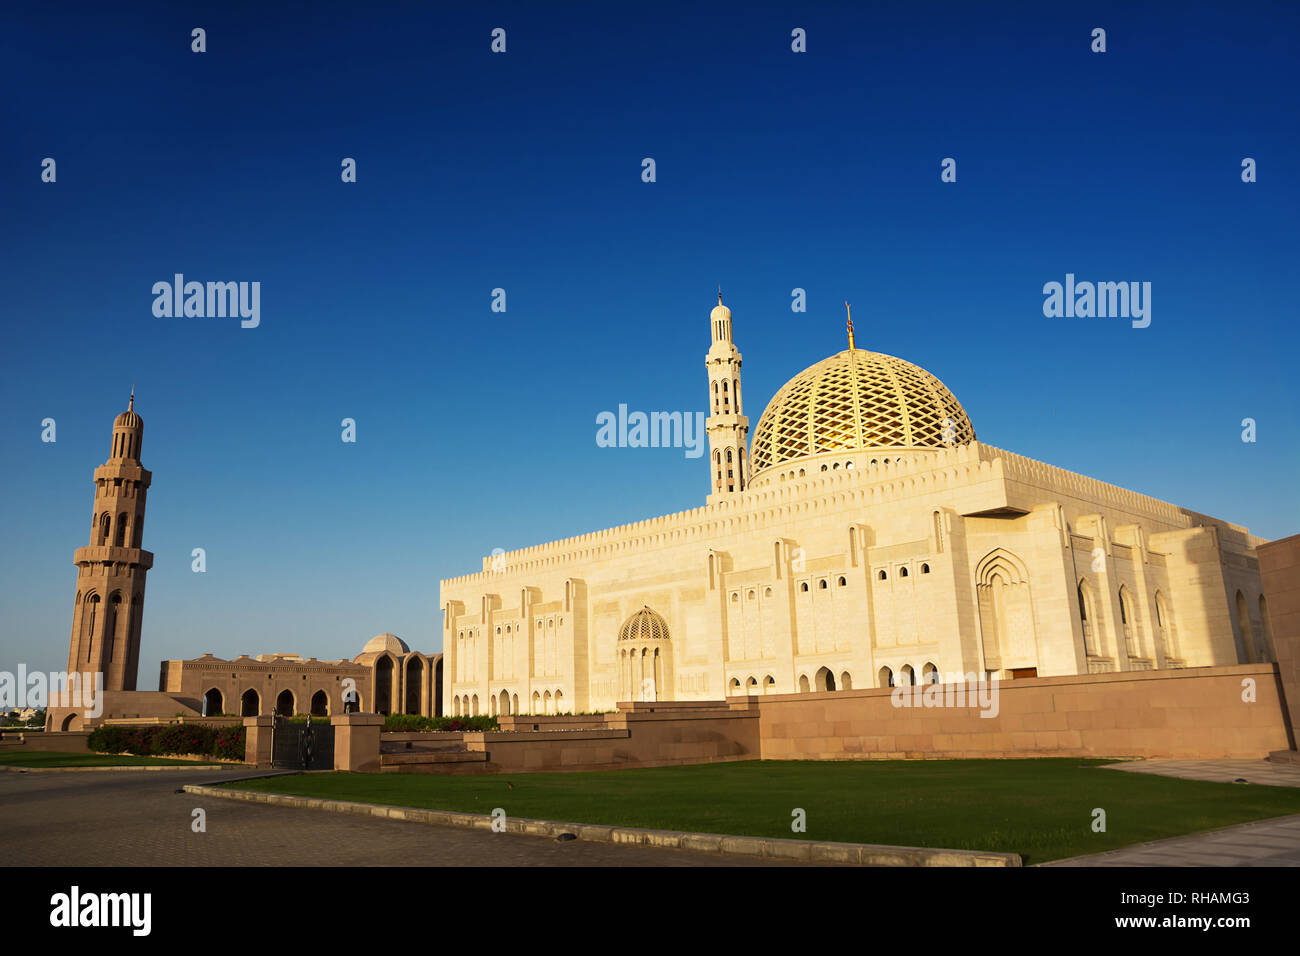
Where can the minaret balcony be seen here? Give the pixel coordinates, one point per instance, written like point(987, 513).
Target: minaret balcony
point(105, 554)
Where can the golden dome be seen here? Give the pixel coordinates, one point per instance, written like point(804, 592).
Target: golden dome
point(858, 400)
point(645, 624)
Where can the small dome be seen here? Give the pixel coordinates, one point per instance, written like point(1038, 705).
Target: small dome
point(644, 625)
point(857, 400)
point(385, 642)
point(129, 419)
point(720, 313)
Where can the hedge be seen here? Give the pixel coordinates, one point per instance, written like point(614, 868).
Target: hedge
point(394, 723)
point(199, 739)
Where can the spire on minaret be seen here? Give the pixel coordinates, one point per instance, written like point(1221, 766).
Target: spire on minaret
point(719, 293)
point(131, 405)
point(849, 312)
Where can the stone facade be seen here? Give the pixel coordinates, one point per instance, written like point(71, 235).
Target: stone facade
point(388, 677)
point(879, 542)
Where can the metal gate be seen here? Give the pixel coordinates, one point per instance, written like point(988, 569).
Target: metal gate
point(301, 746)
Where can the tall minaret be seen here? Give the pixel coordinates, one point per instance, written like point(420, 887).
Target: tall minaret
point(112, 568)
point(727, 426)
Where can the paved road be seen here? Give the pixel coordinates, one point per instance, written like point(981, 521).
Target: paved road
point(137, 819)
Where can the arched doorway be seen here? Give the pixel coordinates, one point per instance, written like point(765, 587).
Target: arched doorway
point(825, 679)
point(213, 703)
point(645, 659)
point(1006, 615)
point(320, 704)
point(414, 684)
point(284, 704)
point(384, 685)
point(886, 677)
point(250, 705)
point(505, 703)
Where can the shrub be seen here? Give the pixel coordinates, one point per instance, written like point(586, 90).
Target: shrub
point(199, 739)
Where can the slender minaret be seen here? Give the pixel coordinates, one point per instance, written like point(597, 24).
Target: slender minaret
point(112, 568)
point(727, 426)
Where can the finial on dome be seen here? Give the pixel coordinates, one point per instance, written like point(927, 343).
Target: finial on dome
point(849, 311)
point(130, 406)
point(719, 293)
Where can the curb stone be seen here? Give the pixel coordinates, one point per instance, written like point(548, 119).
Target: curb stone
point(858, 854)
point(14, 768)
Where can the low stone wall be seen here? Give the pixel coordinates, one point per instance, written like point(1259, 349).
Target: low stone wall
point(553, 722)
point(1197, 712)
point(160, 721)
point(73, 741)
point(702, 734)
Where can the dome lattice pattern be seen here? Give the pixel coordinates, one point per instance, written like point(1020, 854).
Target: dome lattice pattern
point(644, 625)
point(857, 400)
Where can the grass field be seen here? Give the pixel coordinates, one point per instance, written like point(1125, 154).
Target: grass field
point(54, 758)
point(1041, 809)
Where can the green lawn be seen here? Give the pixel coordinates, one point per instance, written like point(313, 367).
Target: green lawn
point(55, 758)
point(1041, 809)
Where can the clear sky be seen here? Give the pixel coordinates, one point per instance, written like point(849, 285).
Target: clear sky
point(523, 171)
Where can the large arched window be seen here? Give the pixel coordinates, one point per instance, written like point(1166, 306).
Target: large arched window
point(1091, 644)
point(1167, 633)
point(90, 614)
point(111, 624)
point(213, 703)
point(1266, 629)
point(250, 704)
point(1128, 623)
point(825, 679)
point(1247, 635)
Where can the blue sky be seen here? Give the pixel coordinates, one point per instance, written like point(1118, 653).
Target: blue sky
point(775, 170)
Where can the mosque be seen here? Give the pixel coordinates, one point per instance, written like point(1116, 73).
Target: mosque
point(864, 538)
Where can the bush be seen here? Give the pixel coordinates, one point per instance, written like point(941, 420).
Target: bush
point(199, 739)
point(396, 723)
